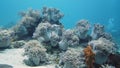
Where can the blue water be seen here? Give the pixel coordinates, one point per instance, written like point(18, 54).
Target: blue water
point(74, 10)
point(106, 12)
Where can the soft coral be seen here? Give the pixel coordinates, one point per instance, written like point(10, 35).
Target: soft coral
point(89, 56)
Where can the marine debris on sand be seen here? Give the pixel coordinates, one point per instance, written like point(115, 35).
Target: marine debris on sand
point(39, 40)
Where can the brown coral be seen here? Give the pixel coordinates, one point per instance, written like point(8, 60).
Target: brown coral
point(89, 56)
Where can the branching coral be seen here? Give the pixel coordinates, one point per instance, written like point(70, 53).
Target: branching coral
point(102, 49)
point(89, 56)
point(73, 58)
point(35, 53)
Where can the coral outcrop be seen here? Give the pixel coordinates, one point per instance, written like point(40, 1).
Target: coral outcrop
point(102, 49)
point(51, 15)
point(47, 33)
point(35, 53)
point(99, 31)
point(26, 26)
point(5, 38)
point(73, 58)
point(82, 28)
point(31, 19)
point(69, 39)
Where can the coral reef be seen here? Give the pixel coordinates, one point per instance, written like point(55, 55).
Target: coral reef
point(73, 58)
point(35, 53)
point(44, 40)
point(102, 49)
point(89, 56)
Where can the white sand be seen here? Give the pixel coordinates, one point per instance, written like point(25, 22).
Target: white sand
point(14, 57)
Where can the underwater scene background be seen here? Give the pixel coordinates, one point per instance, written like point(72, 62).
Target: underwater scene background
point(96, 11)
point(64, 33)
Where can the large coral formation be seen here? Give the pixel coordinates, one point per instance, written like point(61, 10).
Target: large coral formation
point(31, 19)
point(26, 26)
point(35, 53)
point(89, 56)
point(102, 49)
point(47, 33)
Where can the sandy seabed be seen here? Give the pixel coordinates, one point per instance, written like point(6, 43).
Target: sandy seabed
point(14, 58)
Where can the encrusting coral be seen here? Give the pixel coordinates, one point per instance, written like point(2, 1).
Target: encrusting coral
point(89, 56)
